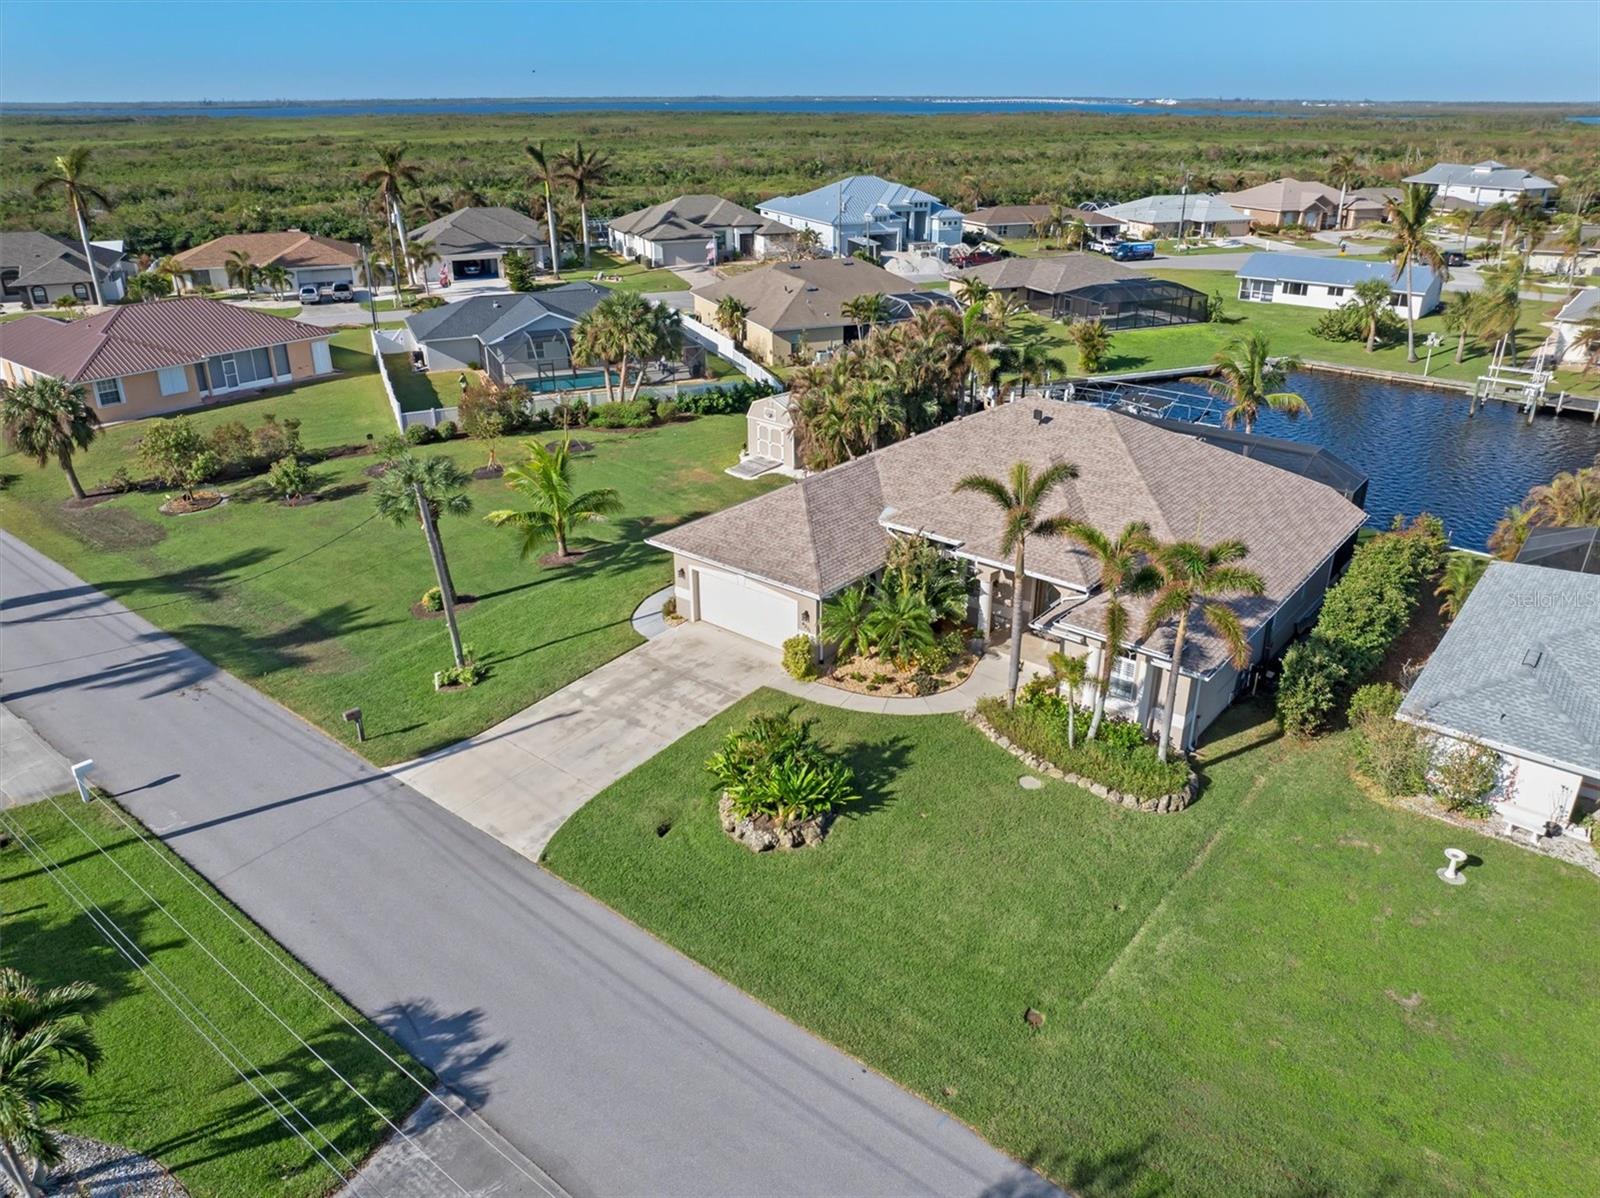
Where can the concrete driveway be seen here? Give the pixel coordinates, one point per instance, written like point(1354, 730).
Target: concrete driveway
point(521, 779)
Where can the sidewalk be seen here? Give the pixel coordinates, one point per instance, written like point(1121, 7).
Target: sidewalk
point(29, 768)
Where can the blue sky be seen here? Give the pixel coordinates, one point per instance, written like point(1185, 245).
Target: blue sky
point(1342, 49)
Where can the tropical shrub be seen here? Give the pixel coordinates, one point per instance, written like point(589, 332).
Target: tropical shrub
point(1348, 322)
point(922, 683)
point(935, 659)
point(1361, 617)
point(667, 410)
point(232, 443)
point(433, 599)
point(669, 607)
point(518, 270)
point(899, 626)
point(914, 564)
point(635, 413)
point(1040, 728)
point(800, 657)
point(1392, 754)
point(274, 439)
point(446, 430)
point(178, 454)
point(289, 479)
point(427, 303)
point(420, 434)
point(1462, 777)
point(1461, 574)
point(470, 673)
point(729, 400)
point(770, 766)
point(844, 621)
point(1376, 700)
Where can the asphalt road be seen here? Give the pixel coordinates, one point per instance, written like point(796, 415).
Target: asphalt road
point(617, 1065)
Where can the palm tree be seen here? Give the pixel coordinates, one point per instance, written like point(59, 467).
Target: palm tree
point(1123, 571)
point(545, 481)
point(1499, 216)
point(276, 276)
point(1192, 577)
point(423, 489)
point(1464, 220)
point(465, 195)
point(172, 269)
point(546, 173)
point(242, 272)
point(1572, 239)
point(732, 315)
point(1461, 574)
point(422, 255)
point(973, 293)
point(1408, 224)
point(626, 328)
point(899, 625)
point(1069, 672)
point(1093, 341)
point(1074, 234)
point(1371, 299)
point(391, 177)
point(844, 621)
point(1346, 172)
point(39, 1032)
point(1461, 318)
point(46, 419)
point(587, 172)
point(866, 311)
point(1587, 342)
point(69, 177)
point(872, 402)
point(1499, 306)
point(1020, 499)
point(1249, 379)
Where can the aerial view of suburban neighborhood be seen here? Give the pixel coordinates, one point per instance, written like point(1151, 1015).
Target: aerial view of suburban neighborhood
point(775, 599)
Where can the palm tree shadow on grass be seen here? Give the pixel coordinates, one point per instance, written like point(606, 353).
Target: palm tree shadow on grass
point(876, 765)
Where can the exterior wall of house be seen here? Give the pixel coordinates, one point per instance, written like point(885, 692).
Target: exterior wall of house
point(1322, 295)
point(1141, 231)
point(1357, 214)
point(1016, 229)
point(1529, 794)
point(454, 353)
point(144, 394)
point(1483, 197)
point(774, 245)
point(1313, 216)
point(43, 296)
point(687, 590)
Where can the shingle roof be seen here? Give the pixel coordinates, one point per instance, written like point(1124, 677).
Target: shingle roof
point(853, 199)
point(291, 248)
point(693, 216)
point(824, 532)
point(1338, 272)
point(789, 296)
point(1488, 173)
point(482, 230)
point(48, 261)
point(1519, 668)
point(1163, 210)
point(1581, 306)
point(1283, 195)
point(493, 317)
point(136, 338)
point(1051, 276)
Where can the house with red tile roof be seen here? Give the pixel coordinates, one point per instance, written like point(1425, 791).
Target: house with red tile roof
point(146, 359)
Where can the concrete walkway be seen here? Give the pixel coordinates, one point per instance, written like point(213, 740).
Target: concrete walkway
point(522, 779)
point(29, 768)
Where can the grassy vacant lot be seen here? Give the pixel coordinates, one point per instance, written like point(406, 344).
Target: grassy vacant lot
point(160, 1089)
point(1268, 994)
point(630, 276)
point(312, 604)
point(1289, 330)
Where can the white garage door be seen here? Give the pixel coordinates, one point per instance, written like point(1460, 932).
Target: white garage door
point(324, 274)
point(683, 253)
point(747, 608)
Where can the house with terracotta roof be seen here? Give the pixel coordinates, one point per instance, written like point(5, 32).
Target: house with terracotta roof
point(763, 568)
point(697, 230)
point(796, 309)
point(37, 269)
point(1287, 202)
point(309, 259)
point(147, 359)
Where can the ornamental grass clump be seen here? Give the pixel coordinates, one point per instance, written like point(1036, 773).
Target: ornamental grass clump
point(771, 767)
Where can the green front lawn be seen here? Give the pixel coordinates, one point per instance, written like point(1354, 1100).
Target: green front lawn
point(631, 276)
point(1267, 994)
point(160, 1089)
point(421, 391)
point(312, 604)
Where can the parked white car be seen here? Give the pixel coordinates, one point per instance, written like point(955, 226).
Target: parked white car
point(309, 295)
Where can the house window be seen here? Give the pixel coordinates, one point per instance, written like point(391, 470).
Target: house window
point(1294, 288)
point(280, 360)
point(1260, 290)
point(174, 380)
point(202, 381)
point(40, 296)
point(1396, 300)
point(1124, 678)
point(80, 290)
point(108, 392)
point(1335, 292)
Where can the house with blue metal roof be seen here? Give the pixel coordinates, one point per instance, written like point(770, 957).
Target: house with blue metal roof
point(864, 212)
point(1325, 282)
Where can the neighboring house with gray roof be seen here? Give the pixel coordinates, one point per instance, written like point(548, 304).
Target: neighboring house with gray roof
point(1021, 220)
point(764, 567)
point(37, 269)
point(864, 212)
point(1519, 671)
point(518, 337)
point(1090, 287)
point(1309, 281)
point(1482, 184)
point(697, 230)
point(1174, 215)
point(472, 242)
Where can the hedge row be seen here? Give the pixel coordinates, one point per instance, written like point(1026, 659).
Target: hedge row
point(1361, 617)
point(1132, 769)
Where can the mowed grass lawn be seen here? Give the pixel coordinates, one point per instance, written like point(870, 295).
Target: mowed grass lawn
point(632, 276)
point(1268, 994)
point(312, 604)
point(1288, 330)
point(160, 1089)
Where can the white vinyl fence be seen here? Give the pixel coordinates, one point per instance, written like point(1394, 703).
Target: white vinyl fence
point(385, 341)
point(724, 346)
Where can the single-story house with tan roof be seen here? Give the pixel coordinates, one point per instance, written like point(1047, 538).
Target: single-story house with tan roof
point(697, 230)
point(310, 260)
point(1020, 220)
point(1287, 202)
point(763, 568)
point(1081, 286)
point(796, 309)
point(147, 359)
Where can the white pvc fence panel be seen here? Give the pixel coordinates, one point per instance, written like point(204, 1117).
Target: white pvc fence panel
point(388, 387)
point(723, 345)
point(392, 341)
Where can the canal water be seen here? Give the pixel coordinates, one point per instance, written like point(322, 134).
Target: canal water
point(1423, 453)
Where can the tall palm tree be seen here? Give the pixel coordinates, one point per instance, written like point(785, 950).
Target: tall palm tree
point(276, 276)
point(1463, 220)
point(1020, 499)
point(422, 255)
point(1411, 246)
point(873, 403)
point(973, 293)
point(1192, 578)
point(241, 270)
point(546, 173)
point(1499, 305)
point(39, 1032)
point(1346, 172)
point(732, 315)
point(170, 268)
point(1461, 318)
point(545, 481)
point(1499, 217)
point(1070, 672)
point(1371, 299)
point(423, 489)
point(393, 174)
point(1572, 239)
point(1249, 379)
point(587, 171)
point(866, 311)
point(68, 176)
point(46, 419)
point(1123, 571)
point(1074, 234)
point(1587, 342)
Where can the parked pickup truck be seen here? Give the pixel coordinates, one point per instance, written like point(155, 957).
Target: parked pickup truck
point(1133, 251)
point(343, 293)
